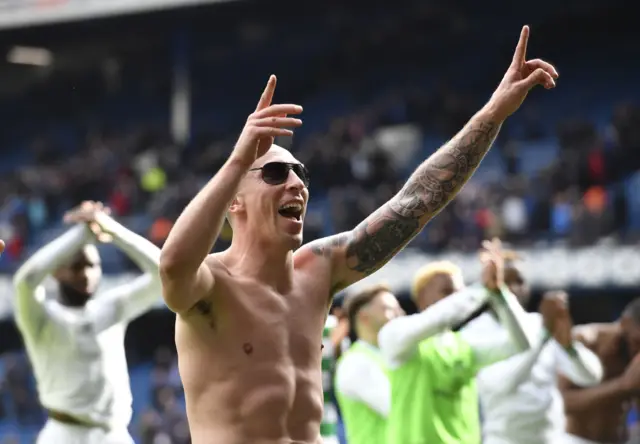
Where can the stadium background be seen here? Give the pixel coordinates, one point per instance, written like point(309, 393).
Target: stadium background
point(138, 110)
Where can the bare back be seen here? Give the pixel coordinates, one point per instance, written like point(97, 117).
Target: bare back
point(250, 358)
point(606, 421)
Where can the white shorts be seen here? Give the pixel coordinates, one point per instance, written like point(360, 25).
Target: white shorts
point(572, 439)
point(55, 432)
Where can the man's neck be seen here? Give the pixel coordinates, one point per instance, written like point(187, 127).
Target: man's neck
point(70, 297)
point(369, 338)
point(269, 264)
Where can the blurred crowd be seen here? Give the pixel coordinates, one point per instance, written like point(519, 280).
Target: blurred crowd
point(141, 170)
point(144, 172)
point(17, 394)
point(165, 421)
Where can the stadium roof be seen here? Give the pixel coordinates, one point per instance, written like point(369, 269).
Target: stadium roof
point(34, 12)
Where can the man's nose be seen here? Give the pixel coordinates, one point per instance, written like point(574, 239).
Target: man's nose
point(294, 182)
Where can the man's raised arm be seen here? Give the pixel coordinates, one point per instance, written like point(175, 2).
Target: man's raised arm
point(127, 301)
point(362, 251)
point(185, 277)
point(399, 338)
point(574, 359)
point(30, 297)
point(515, 336)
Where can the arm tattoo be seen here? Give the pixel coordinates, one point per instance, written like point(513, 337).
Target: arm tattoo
point(380, 237)
point(434, 183)
point(326, 249)
point(440, 177)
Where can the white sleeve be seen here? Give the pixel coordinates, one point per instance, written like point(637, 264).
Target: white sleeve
point(399, 338)
point(32, 308)
point(361, 380)
point(510, 380)
point(514, 337)
point(579, 364)
point(513, 318)
point(141, 251)
point(128, 301)
point(489, 349)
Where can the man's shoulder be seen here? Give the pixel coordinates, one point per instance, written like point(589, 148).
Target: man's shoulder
point(590, 334)
point(216, 262)
point(218, 265)
point(312, 255)
point(353, 359)
point(315, 271)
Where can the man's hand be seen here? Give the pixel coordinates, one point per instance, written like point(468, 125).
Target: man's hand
point(2, 245)
point(556, 316)
point(267, 122)
point(521, 76)
point(492, 260)
point(93, 214)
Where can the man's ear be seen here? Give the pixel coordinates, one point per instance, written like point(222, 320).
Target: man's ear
point(236, 205)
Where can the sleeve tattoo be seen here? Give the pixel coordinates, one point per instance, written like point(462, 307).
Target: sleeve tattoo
point(434, 183)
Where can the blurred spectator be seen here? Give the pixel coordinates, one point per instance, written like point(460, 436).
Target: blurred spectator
point(561, 215)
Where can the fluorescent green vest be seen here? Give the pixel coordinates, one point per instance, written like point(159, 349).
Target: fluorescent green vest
point(434, 398)
point(363, 425)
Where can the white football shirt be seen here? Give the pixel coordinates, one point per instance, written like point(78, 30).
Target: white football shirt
point(520, 401)
point(78, 354)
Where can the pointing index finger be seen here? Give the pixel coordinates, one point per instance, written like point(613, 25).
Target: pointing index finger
point(521, 50)
point(267, 95)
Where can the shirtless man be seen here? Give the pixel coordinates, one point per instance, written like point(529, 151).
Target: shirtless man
point(598, 415)
point(250, 319)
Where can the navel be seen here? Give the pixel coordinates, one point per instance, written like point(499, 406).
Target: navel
point(247, 348)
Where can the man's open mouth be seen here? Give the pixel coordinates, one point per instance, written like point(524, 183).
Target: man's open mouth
point(291, 210)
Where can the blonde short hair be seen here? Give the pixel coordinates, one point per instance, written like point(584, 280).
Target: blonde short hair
point(427, 273)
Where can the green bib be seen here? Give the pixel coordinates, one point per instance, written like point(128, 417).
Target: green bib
point(433, 395)
point(363, 425)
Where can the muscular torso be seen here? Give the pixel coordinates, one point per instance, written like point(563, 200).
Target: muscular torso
point(250, 358)
point(605, 422)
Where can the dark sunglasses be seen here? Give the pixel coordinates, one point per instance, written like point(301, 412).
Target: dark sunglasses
point(277, 173)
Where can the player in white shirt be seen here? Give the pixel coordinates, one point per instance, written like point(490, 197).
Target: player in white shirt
point(74, 337)
point(520, 401)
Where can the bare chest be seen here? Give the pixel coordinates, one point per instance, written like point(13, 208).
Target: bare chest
point(261, 322)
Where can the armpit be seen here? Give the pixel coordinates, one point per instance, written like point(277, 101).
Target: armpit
point(204, 309)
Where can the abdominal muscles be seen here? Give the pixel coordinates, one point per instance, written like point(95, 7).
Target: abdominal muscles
point(270, 402)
